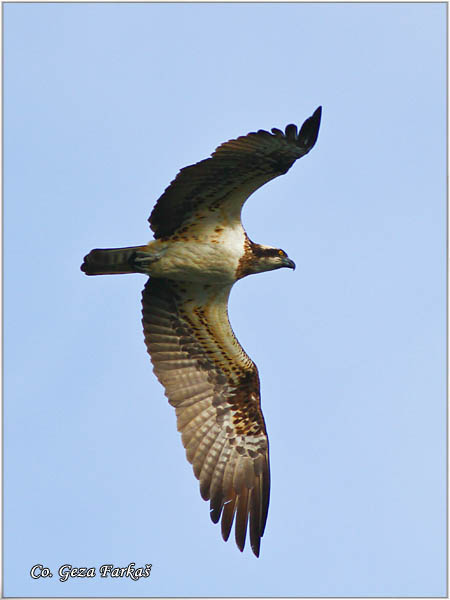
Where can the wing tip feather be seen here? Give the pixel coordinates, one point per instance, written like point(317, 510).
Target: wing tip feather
point(309, 131)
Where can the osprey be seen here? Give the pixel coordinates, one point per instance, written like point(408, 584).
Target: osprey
point(199, 252)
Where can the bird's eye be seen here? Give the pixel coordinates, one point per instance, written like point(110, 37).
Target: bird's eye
point(281, 253)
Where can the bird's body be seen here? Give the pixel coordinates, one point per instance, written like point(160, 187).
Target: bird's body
point(211, 257)
point(201, 249)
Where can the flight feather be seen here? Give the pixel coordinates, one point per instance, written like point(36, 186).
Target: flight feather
point(214, 387)
point(234, 171)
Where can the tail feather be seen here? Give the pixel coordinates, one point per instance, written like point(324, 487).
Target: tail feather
point(110, 261)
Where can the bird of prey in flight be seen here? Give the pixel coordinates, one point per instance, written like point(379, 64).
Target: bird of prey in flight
point(199, 252)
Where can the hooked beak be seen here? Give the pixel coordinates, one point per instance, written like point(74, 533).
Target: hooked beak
point(289, 263)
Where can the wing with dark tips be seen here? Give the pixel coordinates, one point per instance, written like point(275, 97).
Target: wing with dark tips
point(214, 387)
point(235, 170)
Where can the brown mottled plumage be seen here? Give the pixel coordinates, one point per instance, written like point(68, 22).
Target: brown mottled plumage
point(200, 250)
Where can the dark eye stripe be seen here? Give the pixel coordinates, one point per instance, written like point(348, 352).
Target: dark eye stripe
point(260, 252)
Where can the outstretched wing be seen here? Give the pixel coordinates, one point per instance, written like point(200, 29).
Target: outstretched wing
point(235, 170)
point(214, 387)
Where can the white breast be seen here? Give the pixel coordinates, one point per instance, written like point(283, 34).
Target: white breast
point(212, 257)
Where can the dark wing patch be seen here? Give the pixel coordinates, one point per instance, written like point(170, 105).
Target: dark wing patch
point(235, 170)
point(214, 387)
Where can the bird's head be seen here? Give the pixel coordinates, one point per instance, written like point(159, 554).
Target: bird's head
point(260, 258)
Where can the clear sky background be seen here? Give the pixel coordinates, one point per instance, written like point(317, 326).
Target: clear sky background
point(103, 104)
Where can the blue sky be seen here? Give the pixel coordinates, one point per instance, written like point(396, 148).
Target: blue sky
point(103, 104)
